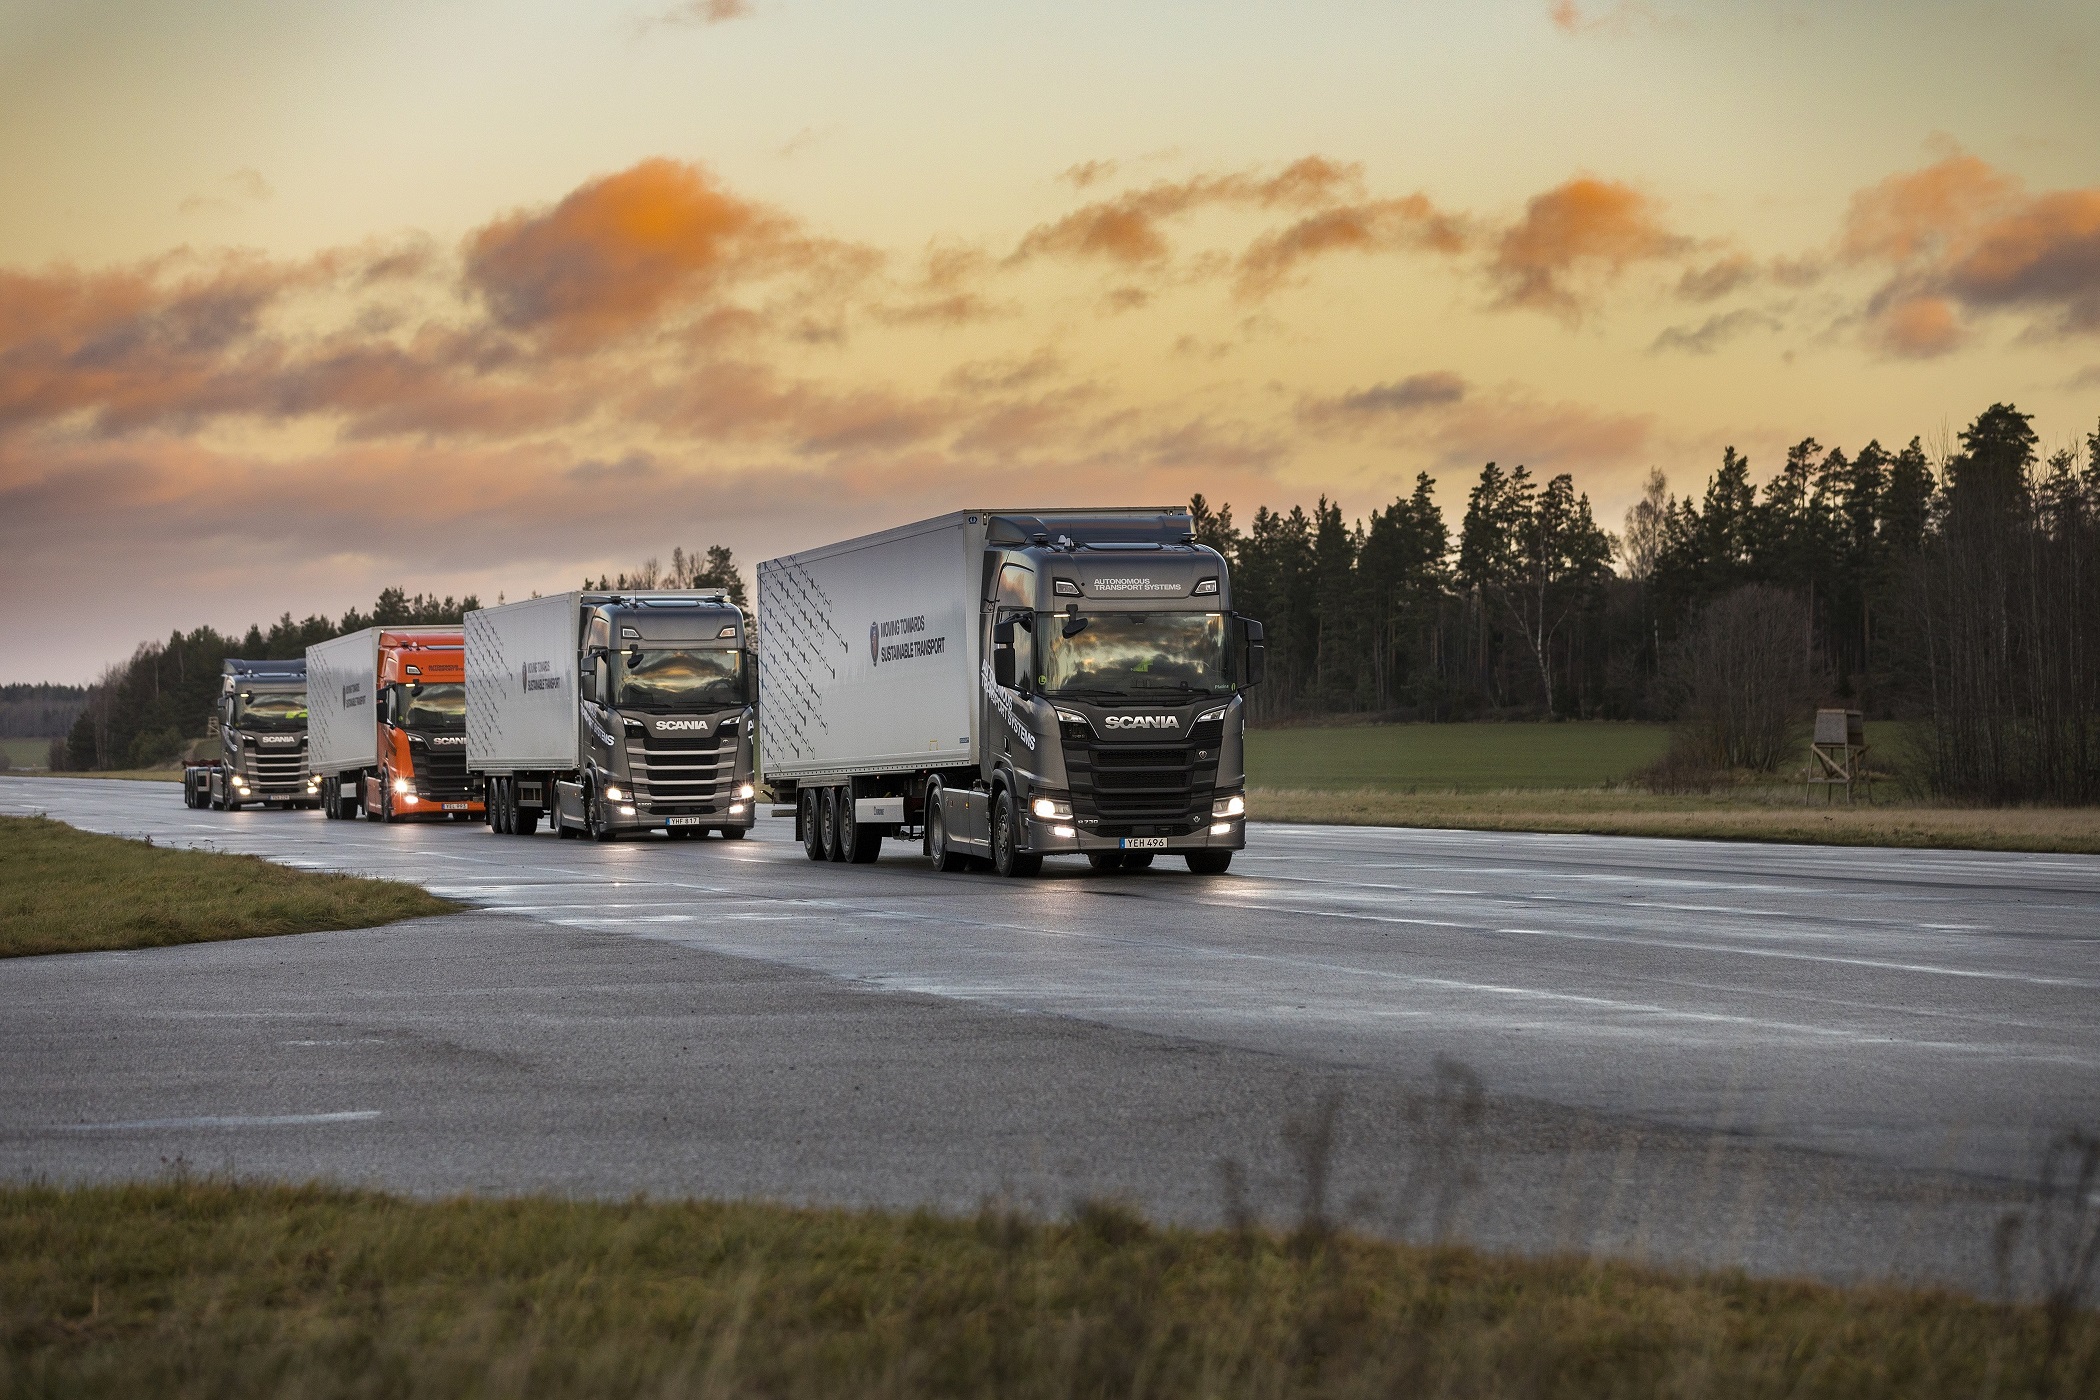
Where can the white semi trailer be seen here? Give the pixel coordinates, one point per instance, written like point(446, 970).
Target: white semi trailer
point(611, 713)
point(1006, 685)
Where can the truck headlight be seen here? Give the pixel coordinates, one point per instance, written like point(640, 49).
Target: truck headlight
point(613, 794)
point(1233, 806)
point(1050, 809)
point(747, 792)
point(401, 785)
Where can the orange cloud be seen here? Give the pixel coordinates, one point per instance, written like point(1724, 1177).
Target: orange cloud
point(1961, 238)
point(1378, 226)
point(1585, 225)
point(613, 255)
point(1127, 229)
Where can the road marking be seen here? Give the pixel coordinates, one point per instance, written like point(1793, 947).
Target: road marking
point(266, 1120)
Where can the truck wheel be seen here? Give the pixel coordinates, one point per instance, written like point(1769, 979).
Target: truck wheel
point(592, 822)
point(734, 833)
point(1007, 856)
point(524, 820)
point(1105, 862)
point(829, 806)
point(813, 823)
point(945, 857)
point(858, 844)
point(1208, 862)
point(371, 808)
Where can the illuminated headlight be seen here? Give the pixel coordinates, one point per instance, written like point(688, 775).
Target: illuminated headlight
point(1064, 831)
point(1221, 828)
point(239, 781)
point(312, 783)
point(613, 794)
point(401, 785)
point(627, 811)
point(736, 809)
point(747, 792)
point(1233, 806)
point(1049, 808)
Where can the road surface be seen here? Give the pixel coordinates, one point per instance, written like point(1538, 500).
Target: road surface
point(1796, 1060)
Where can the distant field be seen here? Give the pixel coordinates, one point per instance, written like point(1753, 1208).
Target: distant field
point(1446, 757)
point(25, 753)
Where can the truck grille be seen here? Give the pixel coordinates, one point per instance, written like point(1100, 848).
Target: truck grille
point(678, 775)
point(441, 775)
point(1125, 786)
point(278, 771)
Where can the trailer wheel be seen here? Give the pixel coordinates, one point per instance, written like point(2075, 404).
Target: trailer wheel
point(829, 807)
point(945, 857)
point(813, 823)
point(1208, 862)
point(1007, 857)
point(858, 844)
point(523, 820)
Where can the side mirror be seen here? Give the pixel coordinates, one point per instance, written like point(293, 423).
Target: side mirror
point(1257, 666)
point(750, 671)
point(1003, 663)
point(588, 684)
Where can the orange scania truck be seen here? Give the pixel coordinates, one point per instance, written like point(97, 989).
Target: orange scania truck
point(387, 724)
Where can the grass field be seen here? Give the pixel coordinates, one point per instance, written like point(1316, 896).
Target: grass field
point(25, 753)
point(187, 1288)
point(68, 891)
point(1451, 757)
point(147, 775)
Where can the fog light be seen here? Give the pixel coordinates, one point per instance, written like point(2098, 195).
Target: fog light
point(1049, 808)
point(410, 799)
point(1063, 831)
point(1221, 828)
point(627, 811)
point(736, 809)
point(1233, 806)
point(401, 785)
point(747, 792)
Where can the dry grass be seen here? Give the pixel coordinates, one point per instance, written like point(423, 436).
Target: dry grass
point(68, 891)
point(201, 1289)
point(151, 775)
point(1764, 812)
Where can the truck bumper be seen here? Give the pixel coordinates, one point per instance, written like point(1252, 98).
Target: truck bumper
point(1046, 838)
point(641, 820)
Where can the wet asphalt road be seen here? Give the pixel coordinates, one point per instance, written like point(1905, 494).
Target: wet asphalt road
point(1792, 1059)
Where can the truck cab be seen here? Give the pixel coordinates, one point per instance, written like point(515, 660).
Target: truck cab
point(421, 712)
point(668, 716)
point(262, 741)
point(1112, 683)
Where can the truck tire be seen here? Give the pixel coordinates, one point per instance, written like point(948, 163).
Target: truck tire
point(858, 844)
point(1208, 862)
point(813, 824)
point(735, 833)
point(945, 857)
point(829, 806)
point(523, 820)
point(592, 822)
point(372, 812)
point(1105, 862)
point(1007, 856)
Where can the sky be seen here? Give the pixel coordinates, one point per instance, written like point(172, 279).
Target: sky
point(299, 302)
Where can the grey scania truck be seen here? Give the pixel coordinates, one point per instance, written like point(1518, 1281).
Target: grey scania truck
point(1005, 685)
point(612, 713)
point(262, 741)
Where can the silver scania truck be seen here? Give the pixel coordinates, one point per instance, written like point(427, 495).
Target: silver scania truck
point(611, 713)
point(1005, 685)
point(262, 741)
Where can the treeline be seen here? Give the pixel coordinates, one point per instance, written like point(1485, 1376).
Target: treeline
point(146, 710)
point(39, 711)
point(1958, 589)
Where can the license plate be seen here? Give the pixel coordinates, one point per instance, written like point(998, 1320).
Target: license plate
point(681, 821)
point(457, 806)
point(1144, 843)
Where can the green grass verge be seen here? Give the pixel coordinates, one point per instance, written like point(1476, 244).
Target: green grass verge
point(25, 753)
point(198, 1289)
point(67, 891)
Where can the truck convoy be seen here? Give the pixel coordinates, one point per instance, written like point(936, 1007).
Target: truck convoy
point(611, 713)
point(1009, 685)
point(389, 732)
point(262, 741)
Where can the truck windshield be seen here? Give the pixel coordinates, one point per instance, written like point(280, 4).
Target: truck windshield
point(435, 709)
point(271, 712)
point(678, 679)
point(1134, 653)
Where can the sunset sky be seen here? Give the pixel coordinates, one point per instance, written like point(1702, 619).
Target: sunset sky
point(299, 301)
